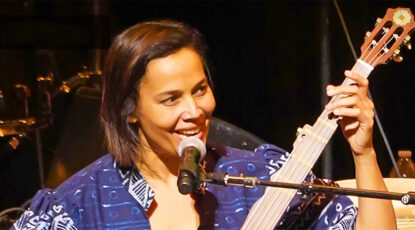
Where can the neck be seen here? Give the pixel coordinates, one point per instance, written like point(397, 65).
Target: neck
point(155, 165)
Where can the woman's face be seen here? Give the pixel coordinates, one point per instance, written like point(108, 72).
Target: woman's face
point(175, 101)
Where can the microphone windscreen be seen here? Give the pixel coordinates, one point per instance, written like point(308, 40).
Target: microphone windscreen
point(194, 142)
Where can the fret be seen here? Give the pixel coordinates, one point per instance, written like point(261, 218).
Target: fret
point(301, 160)
point(316, 136)
point(324, 122)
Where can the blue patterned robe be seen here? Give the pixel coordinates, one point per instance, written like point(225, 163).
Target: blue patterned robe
point(105, 196)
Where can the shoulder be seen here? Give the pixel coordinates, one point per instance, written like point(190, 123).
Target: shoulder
point(45, 213)
point(63, 207)
point(90, 176)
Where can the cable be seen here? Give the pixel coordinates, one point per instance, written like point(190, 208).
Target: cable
point(382, 132)
point(6, 211)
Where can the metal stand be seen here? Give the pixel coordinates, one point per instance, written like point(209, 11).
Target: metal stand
point(40, 158)
point(307, 188)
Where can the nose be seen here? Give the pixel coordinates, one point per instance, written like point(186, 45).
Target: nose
point(191, 110)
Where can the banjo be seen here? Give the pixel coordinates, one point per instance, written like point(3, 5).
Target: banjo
point(382, 44)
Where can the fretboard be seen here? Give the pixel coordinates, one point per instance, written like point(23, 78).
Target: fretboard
point(311, 141)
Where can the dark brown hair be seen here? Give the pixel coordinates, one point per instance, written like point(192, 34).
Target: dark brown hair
point(126, 64)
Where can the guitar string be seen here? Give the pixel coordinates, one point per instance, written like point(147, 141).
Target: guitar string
point(303, 148)
point(362, 68)
point(384, 48)
point(292, 173)
point(327, 132)
point(290, 179)
point(384, 33)
point(357, 68)
point(289, 172)
point(320, 128)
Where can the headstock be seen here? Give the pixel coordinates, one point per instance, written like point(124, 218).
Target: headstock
point(390, 34)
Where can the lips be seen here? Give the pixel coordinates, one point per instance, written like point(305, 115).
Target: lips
point(189, 132)
point(182, 133)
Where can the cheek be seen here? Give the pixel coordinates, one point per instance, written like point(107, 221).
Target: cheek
point(167, 120)
point(152, 117)
point(208, 103)
point(158, 118)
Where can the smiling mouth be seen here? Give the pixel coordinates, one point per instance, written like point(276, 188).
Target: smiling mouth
point(188, 133)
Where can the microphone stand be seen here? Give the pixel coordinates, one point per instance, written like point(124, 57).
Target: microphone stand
point(306, 188)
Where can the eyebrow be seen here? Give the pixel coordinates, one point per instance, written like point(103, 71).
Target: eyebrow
point(175, 92)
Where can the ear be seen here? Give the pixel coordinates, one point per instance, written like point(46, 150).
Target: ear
point(132, 119)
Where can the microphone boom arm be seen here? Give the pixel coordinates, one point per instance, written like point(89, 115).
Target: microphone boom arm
point(306, 188)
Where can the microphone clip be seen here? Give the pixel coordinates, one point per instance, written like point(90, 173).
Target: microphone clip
point(201, 187)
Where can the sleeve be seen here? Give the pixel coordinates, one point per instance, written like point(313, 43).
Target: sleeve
point(45, 212)
point(339, 214)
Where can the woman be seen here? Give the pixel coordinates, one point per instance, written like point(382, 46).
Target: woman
point(157, 91)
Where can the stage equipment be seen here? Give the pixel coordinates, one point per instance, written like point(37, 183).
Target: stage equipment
point(407, 198)
point(191, 151)
point(225, 133)
point(24, 121)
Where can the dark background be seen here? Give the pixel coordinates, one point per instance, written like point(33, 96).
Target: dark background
point(266, 62)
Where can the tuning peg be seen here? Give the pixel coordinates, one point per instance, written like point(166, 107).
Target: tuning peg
point(299, 130)
point(396, 57)
point(407, 42)
point(408, 45)
point(407, 37)
point(368, 33)
point(378, 21)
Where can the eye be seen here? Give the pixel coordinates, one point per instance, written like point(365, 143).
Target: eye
point(201, 90)
point(170, 101)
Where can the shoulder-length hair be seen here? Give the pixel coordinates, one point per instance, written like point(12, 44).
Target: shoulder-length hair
point(125, 65)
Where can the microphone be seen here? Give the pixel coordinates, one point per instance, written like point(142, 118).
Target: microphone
point(191, 151)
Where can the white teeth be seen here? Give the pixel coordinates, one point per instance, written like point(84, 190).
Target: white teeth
point(190, 132)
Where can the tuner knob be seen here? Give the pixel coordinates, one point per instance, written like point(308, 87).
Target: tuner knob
point(396, 57)
point(407, 42)
point(368, 33)
point(378, 21)
point(408, 45)
point(299, 130)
